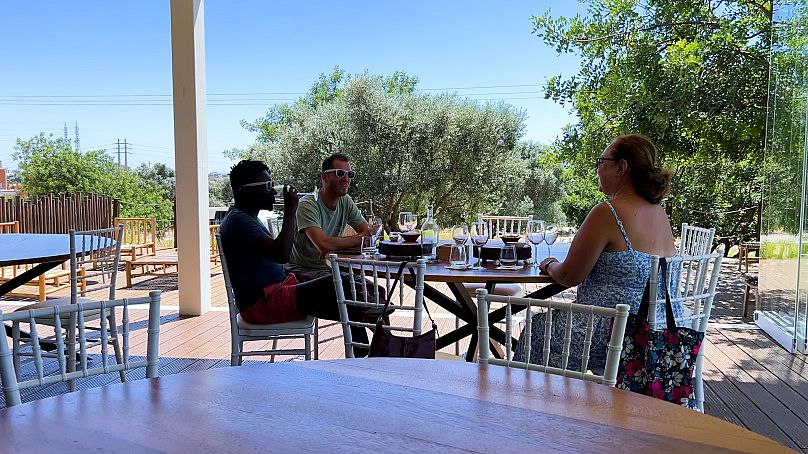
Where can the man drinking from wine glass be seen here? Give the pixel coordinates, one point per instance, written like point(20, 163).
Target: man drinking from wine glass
point(265, 293)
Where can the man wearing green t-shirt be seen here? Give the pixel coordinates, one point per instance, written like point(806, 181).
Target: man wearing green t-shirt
point(322, 218)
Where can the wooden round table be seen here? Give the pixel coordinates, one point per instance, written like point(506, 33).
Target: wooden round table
point(369, 405)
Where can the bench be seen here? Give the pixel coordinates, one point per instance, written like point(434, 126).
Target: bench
point(162, 262)
point(139, 237)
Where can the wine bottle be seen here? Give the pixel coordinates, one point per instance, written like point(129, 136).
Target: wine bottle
point(429, 236)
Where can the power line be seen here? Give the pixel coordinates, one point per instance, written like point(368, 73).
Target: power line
point(262, 93)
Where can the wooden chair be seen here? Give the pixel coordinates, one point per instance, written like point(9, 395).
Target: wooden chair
point(693, 283)
point(696, 240)
point(380, 274)
point(139, 237)
point(619, 314)
point(744, 249)
point(214, 245)
point(242, 331)
point(75, 317)
point(10, 227)
point(750, 295)
point(99, 252)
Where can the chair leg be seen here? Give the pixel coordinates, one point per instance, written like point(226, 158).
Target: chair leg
point(274, 347)
point(15, 335)
point(116, 343)
point(308, 347)
point(235, 351)
point(457, 344)
point(699, 385)
point(745, 308)
point(316, 339)
point(70, 340)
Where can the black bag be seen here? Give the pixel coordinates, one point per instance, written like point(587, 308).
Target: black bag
point(386, 344)
point(659, 363)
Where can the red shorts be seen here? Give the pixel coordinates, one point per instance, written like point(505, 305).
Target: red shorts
point(277, 305)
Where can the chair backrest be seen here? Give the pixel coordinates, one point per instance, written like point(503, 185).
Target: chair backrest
point(10, 227)
point(138, 230)
point(497, 224)
point(365, 278)
point(228, 288)
point(696, 240)
point(214, 245)
point(693, 281)
point(619, 314)
point(31, 318)
point(96, 253)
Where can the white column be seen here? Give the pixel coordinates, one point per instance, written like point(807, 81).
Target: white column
point(191, 159)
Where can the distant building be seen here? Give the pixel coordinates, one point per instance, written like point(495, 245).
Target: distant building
point(3, 178)
point(6, 187)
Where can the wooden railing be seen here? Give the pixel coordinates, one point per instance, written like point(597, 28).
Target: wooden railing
point(59, 214)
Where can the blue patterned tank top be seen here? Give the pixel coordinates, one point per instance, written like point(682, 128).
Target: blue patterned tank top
point(620, 277)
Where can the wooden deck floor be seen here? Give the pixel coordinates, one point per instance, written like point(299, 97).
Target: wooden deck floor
point(750, 380)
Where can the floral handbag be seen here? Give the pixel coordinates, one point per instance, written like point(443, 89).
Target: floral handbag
point(659, 363)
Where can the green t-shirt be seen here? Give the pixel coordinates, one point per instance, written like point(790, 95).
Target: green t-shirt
point(313, 213)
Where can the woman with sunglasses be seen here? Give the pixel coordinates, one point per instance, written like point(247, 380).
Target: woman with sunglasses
point(610, 257)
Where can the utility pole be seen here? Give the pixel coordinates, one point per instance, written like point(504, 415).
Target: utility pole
point(66, 138)
point(78, 147)
point(119, 153)
point(125, 155)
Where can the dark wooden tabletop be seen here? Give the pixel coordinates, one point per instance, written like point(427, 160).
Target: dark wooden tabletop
point(367, 405)
point(23, 248)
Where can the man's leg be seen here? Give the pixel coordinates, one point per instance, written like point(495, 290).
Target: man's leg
point(317, 297)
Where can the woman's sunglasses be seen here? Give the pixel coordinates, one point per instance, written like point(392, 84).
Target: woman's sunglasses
point(600, 161)
point(341, 173)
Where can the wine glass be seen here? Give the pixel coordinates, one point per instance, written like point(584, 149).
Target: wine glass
point(507, 255)
point(408, 222)
point(457, 257)
point(550, 236)
point(535, 236)
point(375, 226)
point(479, 236)
point(460, 234)
point(402, 226)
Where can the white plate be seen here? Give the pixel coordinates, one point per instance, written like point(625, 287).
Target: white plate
point(510, 267)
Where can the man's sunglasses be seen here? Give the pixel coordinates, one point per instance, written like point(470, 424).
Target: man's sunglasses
point(341, 173)
point(266, 184)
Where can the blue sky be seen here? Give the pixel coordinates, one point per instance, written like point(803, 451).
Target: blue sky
point(107, 65)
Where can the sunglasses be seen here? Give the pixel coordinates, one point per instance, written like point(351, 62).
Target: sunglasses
point(341, 173)
point(600, 161)
point(266, 184)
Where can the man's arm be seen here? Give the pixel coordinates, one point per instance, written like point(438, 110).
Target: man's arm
point(326, 244)
point(280, 248)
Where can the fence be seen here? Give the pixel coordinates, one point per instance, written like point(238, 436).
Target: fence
point(58, 214)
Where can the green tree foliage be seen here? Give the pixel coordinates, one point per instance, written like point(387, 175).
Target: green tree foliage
point(49, 165)
point(409, 149)
point(159, 175)
point(690, 75)
point(220, 194)
point(786, 138)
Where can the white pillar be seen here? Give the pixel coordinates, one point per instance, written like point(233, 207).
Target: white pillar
point(191, 159)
